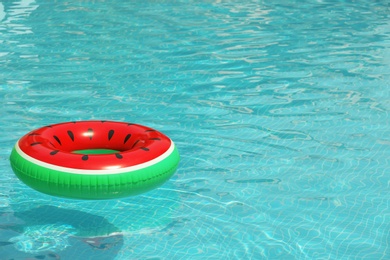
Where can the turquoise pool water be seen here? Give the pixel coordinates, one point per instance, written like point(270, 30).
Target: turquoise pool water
point(280, 110)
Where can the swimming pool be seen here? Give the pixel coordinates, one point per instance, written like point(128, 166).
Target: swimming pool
point(280, 112)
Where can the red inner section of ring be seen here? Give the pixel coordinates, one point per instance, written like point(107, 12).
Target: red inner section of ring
point(55, 144)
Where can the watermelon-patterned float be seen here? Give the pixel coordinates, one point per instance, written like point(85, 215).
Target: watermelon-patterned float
point(94, 159)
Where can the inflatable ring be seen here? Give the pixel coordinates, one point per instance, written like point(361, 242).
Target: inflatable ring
point(94, 159)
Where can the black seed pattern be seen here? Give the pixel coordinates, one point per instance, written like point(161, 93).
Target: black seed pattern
point(150, 130)
point(84, 157)
point(33, 134)
point(110, 134)
point(156, 139)
point(70, 133)
point(127, 138)
point(35, 143)
point(54, 152)
point(90, 133)
point(119, 156)
point(144, 148)
point(134, 144)
point(52, 144)
point(57, 139)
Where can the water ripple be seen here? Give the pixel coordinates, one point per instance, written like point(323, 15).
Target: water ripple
point(279, 110)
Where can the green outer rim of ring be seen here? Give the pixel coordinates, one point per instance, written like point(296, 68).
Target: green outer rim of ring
point(93, 186)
